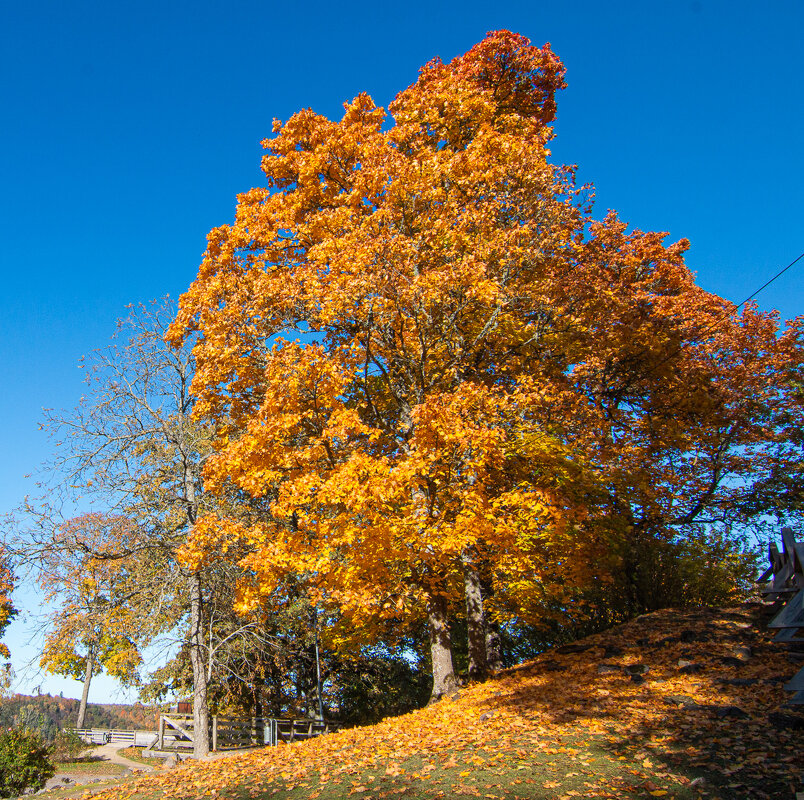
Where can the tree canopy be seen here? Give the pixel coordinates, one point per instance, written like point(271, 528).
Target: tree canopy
point(442, 378)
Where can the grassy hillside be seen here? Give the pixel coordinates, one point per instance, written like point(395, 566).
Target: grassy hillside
point(673, 705)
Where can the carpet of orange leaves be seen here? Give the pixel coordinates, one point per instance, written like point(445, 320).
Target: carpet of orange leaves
point(662, 727)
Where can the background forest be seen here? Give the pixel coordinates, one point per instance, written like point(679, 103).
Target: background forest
point(46, 714)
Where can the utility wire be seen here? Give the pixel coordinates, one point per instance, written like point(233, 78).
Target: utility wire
point(768, 283)
point(712, 324)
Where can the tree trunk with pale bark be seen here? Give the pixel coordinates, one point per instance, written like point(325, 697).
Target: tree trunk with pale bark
point(440, 648)
point(90, 668)
point(475, 620)
point(200, 710)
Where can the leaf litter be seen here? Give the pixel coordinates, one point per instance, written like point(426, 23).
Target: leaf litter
point(562, 727)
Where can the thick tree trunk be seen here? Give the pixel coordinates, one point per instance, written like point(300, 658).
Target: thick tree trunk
point(493, 647)
point(475, 620)
point(440, 648)
point(200, 710)
point(90, 668)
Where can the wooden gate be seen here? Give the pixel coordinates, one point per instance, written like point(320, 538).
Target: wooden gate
point(177, 731)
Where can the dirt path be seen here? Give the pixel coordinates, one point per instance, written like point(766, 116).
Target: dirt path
point(109, 752)
point(106, 752)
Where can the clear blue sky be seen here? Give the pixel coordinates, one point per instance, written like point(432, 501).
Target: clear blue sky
point(128, 128)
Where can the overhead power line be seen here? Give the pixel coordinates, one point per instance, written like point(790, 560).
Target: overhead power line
point(768, 283)
point(714, 323)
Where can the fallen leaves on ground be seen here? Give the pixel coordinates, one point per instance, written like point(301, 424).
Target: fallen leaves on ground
point(647, 725)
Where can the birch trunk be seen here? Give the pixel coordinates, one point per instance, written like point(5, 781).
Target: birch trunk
point(440, 648)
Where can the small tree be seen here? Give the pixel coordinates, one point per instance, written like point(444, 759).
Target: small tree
point(7, 612)
point(99, 596)
point(132, 448)
point(66, 746)
point(24, 762)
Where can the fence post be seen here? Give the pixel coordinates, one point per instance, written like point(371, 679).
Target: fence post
point(270, 735)
point(214, 732)
point(161, 732)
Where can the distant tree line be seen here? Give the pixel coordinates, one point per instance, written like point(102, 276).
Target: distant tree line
point(47, 715)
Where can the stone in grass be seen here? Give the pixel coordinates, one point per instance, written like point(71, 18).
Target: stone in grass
point(734, 712)
point(786, 722)
point(680, 700)
point(743, 653)
point(607, 669)
point(487, 715)
point(638, 669)
point(689, 667)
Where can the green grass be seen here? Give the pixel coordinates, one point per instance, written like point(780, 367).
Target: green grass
point(135, 754)
point(89, 765)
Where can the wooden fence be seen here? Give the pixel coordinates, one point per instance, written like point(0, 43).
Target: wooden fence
point(177, 731)
point(106, 735)
point(783, 582)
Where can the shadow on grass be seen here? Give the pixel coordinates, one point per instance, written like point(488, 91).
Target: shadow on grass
point(687, 697)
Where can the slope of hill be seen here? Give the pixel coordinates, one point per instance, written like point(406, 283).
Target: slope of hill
point(673, 704)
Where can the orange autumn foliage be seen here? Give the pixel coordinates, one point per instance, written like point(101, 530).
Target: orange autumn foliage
point(417, 347)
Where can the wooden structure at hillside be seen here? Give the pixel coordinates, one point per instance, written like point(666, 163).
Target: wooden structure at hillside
point(783, 582)
point(133, 738)
point(176, 732)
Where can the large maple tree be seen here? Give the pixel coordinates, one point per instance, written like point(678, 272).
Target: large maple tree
point(443, 378)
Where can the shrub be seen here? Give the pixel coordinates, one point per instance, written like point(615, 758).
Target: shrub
point(66, 746)
point(24, 762)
